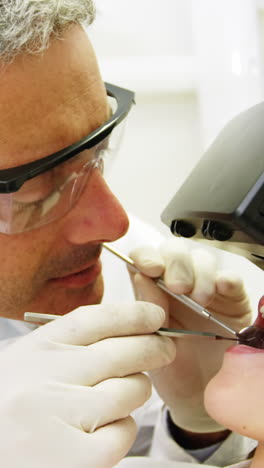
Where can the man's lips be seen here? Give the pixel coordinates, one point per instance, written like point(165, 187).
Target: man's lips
point(80, 278)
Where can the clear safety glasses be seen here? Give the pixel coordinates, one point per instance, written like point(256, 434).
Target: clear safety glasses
point(42, 191)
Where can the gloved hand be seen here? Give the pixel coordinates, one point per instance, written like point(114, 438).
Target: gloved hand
point(67, 388)
point(192, 272)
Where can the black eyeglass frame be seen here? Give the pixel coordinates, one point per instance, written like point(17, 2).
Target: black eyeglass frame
point(12, 179)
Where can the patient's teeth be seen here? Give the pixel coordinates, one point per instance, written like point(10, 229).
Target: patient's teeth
point(260, 319)
point(254, 336)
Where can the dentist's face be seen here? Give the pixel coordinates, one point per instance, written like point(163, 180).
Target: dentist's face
point(48, 102)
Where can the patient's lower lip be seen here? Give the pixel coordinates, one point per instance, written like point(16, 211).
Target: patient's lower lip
point(243, 349)
point(80, 279)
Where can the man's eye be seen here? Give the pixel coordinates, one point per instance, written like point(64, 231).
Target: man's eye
point(54, 180)
point(104, 146)
point(36, 189)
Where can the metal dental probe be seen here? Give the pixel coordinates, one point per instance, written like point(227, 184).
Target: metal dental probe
point(42, 319)
point(45, 318)
point(180, 297)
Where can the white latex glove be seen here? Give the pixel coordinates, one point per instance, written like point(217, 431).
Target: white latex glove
point(67, 389)
point(181, 385)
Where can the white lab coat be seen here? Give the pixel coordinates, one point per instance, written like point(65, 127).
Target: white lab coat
point(159, 450)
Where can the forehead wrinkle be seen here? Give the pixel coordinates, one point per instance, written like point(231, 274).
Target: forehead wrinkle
point(64, 122)
point(50, 101)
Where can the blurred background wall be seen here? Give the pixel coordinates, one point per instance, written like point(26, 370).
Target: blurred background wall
point(193, 64)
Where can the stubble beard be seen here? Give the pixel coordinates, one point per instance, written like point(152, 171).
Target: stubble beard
point(38, 294)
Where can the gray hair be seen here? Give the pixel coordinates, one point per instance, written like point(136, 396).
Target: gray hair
point(26, 26)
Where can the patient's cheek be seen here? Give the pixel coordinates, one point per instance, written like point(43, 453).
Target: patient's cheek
point(234, 397)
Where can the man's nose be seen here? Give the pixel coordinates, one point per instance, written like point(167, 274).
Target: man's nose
point(97, 216)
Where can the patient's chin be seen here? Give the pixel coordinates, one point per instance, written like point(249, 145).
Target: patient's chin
point(218, 398)
point(234, 397)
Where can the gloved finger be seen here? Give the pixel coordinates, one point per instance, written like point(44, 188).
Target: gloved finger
point(118, 398)
point(103, 448)
point(149, 261)
point(204, 266)
point(63, 446)
point(112, 357)
point(88, 408)
point(108, 444)
point(179, 275)
point(146, 290)
point(232, 297)
point(90, 324)
point(230, 285)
